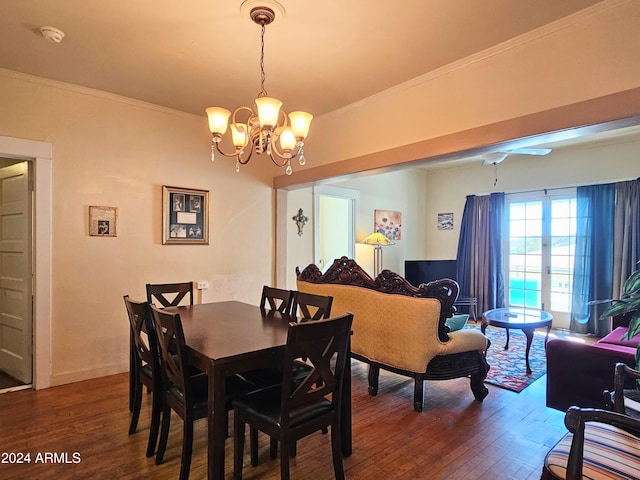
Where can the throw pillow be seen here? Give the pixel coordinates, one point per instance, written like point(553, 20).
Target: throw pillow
point(457, 322)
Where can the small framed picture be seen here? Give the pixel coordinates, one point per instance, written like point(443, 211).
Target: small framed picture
point(103, 221)
point(185, 216)
point(445, 221)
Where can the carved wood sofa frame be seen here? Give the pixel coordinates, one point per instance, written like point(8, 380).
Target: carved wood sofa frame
point(471, 364)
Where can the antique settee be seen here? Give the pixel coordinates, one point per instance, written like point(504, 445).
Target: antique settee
point(578, 373)
point(401, 328)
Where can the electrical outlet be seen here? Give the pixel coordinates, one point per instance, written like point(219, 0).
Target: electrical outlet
point(203, 285)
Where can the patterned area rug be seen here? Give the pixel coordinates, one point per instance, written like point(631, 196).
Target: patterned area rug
point(508, 368)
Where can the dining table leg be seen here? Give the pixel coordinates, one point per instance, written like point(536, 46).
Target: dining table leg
point(345, 422)
point(132, 373)
point(216, 424)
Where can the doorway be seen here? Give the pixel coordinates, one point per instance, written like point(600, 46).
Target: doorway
point(334, 224)
point(38, 155)
point(16, 316)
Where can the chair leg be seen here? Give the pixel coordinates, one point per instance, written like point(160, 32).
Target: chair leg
point(374, 373)
point(187, 448)
point(238, 445)
point(156, 409)
point(273, 447)
point(285, 450)
point(478, 387)
point(164, 434)
point(418, 394)
point(336, 452)
point(136, 406)
point(253, 442)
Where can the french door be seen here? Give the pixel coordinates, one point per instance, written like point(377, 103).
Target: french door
point(541, 234)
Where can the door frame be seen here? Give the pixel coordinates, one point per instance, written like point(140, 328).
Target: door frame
point(40, 153)
point(354, 203)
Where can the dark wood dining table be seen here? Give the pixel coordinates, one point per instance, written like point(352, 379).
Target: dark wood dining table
point(226, 338)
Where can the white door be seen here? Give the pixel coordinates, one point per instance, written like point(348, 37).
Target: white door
point(334, 229)
point(16, 343)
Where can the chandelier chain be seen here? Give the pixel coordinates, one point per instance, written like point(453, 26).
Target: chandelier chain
point(263, 92)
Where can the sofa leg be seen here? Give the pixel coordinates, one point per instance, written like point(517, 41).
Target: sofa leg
point(480, 391)
point(374, 373)
point(418, 395)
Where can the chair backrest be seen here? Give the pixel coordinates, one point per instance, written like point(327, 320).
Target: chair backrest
point(320, 306)
point(324, 344)
point(141, 325)
point(173, 352)
point(170, 294)
point(277, 298)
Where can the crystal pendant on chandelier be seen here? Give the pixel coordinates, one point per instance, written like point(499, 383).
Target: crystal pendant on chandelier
point(267, 128)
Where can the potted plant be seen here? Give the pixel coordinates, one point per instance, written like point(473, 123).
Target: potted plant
point(629, 302)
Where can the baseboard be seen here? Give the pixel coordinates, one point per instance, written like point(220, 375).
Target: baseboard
point(79, 376)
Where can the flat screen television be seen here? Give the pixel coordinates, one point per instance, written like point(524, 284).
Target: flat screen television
point(425, 271)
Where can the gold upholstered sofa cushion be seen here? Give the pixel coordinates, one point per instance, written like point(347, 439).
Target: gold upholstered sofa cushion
point(395, 330)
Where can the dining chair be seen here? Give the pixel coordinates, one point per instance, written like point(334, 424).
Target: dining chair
point(321, 308)
point(623, 399)
point(600, 444)
point(292, 410)
point(145, 368)
point(278, 299)
point(272, 300)
point(186, 388)
point(311, 306)
point(170, 294)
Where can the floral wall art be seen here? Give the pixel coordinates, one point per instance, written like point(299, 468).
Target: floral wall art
point(389, 223)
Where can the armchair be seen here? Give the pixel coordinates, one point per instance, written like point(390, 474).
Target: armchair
point(600, 444)
point(624, 400)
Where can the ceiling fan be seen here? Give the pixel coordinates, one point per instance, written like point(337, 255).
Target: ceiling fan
point(497, 157)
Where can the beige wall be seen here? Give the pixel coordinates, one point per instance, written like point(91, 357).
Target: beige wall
point(113, 151)
point(421, 194)
point(447, 188)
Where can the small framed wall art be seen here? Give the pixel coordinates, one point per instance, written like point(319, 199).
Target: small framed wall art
point(185, 216)
point(445, 221)
point(388, 223)
point(103, 221)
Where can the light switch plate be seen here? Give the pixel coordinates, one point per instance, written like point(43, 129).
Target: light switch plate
point(203, 285)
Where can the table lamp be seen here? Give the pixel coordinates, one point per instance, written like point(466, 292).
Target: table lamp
point(379, 240)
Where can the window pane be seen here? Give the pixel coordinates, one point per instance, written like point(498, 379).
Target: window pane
point(541, 252)
point(534, 210)
point(518, 228)
point(517, 211)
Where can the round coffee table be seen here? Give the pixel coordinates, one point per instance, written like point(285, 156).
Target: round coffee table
point(525, 319)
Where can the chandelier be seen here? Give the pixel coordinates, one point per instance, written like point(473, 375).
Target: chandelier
point(270, 130)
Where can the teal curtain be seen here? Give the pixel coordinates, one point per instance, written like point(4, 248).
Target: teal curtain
point(593, 267)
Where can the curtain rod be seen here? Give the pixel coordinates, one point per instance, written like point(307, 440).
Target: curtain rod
point(547, 190)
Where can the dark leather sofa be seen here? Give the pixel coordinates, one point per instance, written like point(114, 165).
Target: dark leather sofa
point(577, 373)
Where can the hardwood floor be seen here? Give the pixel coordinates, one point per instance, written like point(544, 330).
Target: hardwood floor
point(455, 437)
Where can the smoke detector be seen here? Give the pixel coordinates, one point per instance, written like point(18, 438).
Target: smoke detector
point(54, 35)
